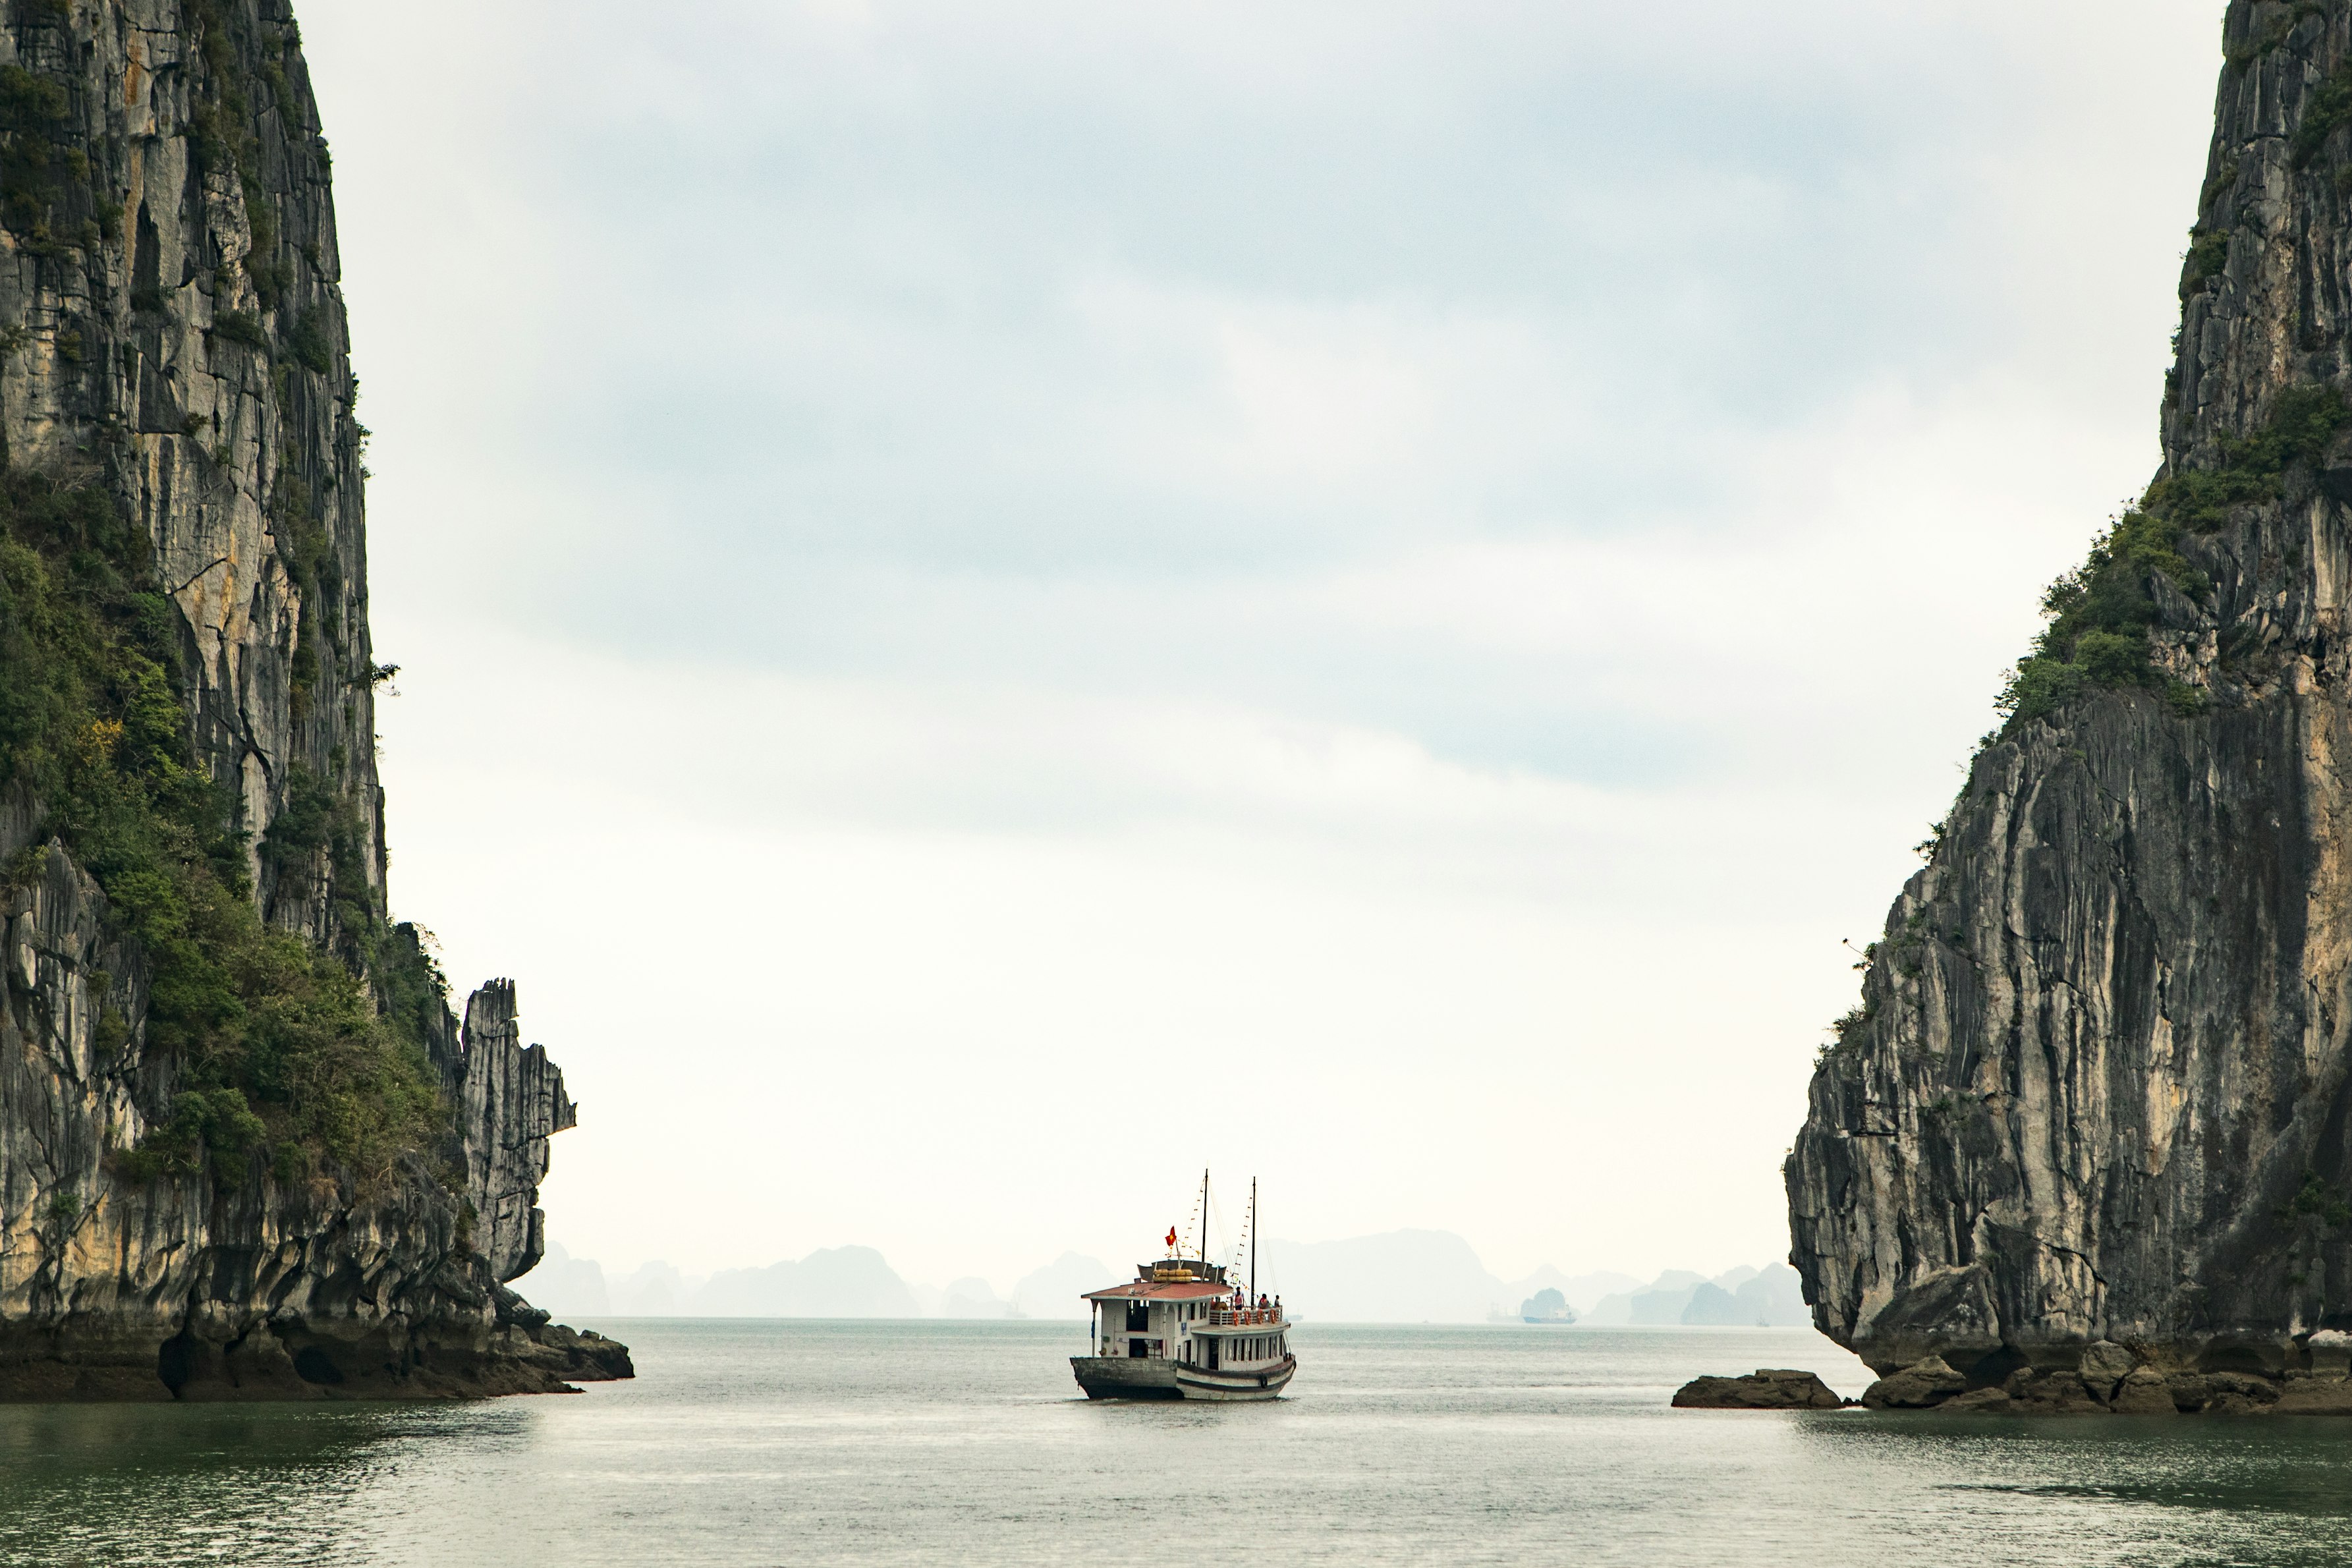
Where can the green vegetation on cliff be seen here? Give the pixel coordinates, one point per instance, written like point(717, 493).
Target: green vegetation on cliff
point(2100, 613)
point(278, 1044)
point(222, 128)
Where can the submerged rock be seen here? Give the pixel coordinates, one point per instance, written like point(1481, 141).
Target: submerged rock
point(2314, 1396)
point(1762, 1390)
point(1979, 1402)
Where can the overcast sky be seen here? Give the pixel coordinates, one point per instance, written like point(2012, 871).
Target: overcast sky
point(997, 602)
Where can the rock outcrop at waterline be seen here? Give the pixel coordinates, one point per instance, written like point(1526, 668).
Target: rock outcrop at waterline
point(2097, 1097)
point(207, 1189)
point(1766, 1389)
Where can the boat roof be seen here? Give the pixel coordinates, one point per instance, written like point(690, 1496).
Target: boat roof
point(1162, 1291)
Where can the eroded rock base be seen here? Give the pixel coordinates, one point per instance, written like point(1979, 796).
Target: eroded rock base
point(294, 1360)
point(2119, 1380)
point(2314, 1378)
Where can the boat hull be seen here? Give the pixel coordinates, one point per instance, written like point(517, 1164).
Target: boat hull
point(1237, 1387)
point(1126, 1377)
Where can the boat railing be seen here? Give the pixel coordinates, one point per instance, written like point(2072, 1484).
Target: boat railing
point(1243, 1318)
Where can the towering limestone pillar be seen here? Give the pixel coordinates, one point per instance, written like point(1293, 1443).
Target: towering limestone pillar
point(2095, 1092)
point(247, 1150)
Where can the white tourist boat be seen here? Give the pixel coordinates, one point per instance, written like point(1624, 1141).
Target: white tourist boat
point(1182, 1330)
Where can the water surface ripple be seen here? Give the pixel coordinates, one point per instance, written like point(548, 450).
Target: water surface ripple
point(759, 1443)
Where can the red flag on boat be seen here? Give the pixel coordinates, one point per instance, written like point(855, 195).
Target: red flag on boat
point(1171, 1239)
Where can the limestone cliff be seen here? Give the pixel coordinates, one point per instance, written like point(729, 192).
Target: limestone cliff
point(2097, 1088)
point(182, 1211)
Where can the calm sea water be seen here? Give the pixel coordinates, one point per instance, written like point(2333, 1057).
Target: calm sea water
point(756, 1443)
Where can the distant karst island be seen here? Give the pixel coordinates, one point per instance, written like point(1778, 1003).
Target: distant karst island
point(1546, 1306)
point(1399, 1277)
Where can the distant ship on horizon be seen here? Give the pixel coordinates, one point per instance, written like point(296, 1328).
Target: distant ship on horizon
point(1178, 1330)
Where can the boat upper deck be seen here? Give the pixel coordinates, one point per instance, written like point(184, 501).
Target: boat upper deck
point(1170, 1279)
point(1244, 1318)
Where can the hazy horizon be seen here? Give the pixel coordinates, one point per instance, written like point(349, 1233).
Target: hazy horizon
point(996, 606)
point(1007, 1272)
point(1398, 1277)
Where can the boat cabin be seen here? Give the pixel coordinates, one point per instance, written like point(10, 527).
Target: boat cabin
point(1183, 1311)
point(1152, 1316)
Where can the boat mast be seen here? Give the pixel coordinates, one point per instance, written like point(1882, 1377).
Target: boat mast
point(1204, 1217)
point(1252, 1241)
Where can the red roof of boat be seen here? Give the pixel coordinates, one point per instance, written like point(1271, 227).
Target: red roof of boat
point(1158, 1290)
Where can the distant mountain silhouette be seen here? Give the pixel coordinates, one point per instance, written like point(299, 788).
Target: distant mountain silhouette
point(652, 1290)
point(1399, 1277)
point(1742, 1298)
point(570, 1289)
point(1054, 1290)
point(840, 1282)
point(1403, 1277)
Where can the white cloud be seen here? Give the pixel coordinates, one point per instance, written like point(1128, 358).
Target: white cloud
point(962, 571)
point(798, 1016)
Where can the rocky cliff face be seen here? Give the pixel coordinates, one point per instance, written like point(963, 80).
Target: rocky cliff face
point(2096, 1092)
point(173, 335)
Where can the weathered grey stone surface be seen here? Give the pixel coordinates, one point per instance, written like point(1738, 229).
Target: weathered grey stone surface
point(2225, 1392)
point(2104, 1366)
point(2099, 1090)
point(2034, 1391)
point(510, 1101)
point(1916, 1387)
point(1765, 1390)
point(192, 356)
point(2143, 1391)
